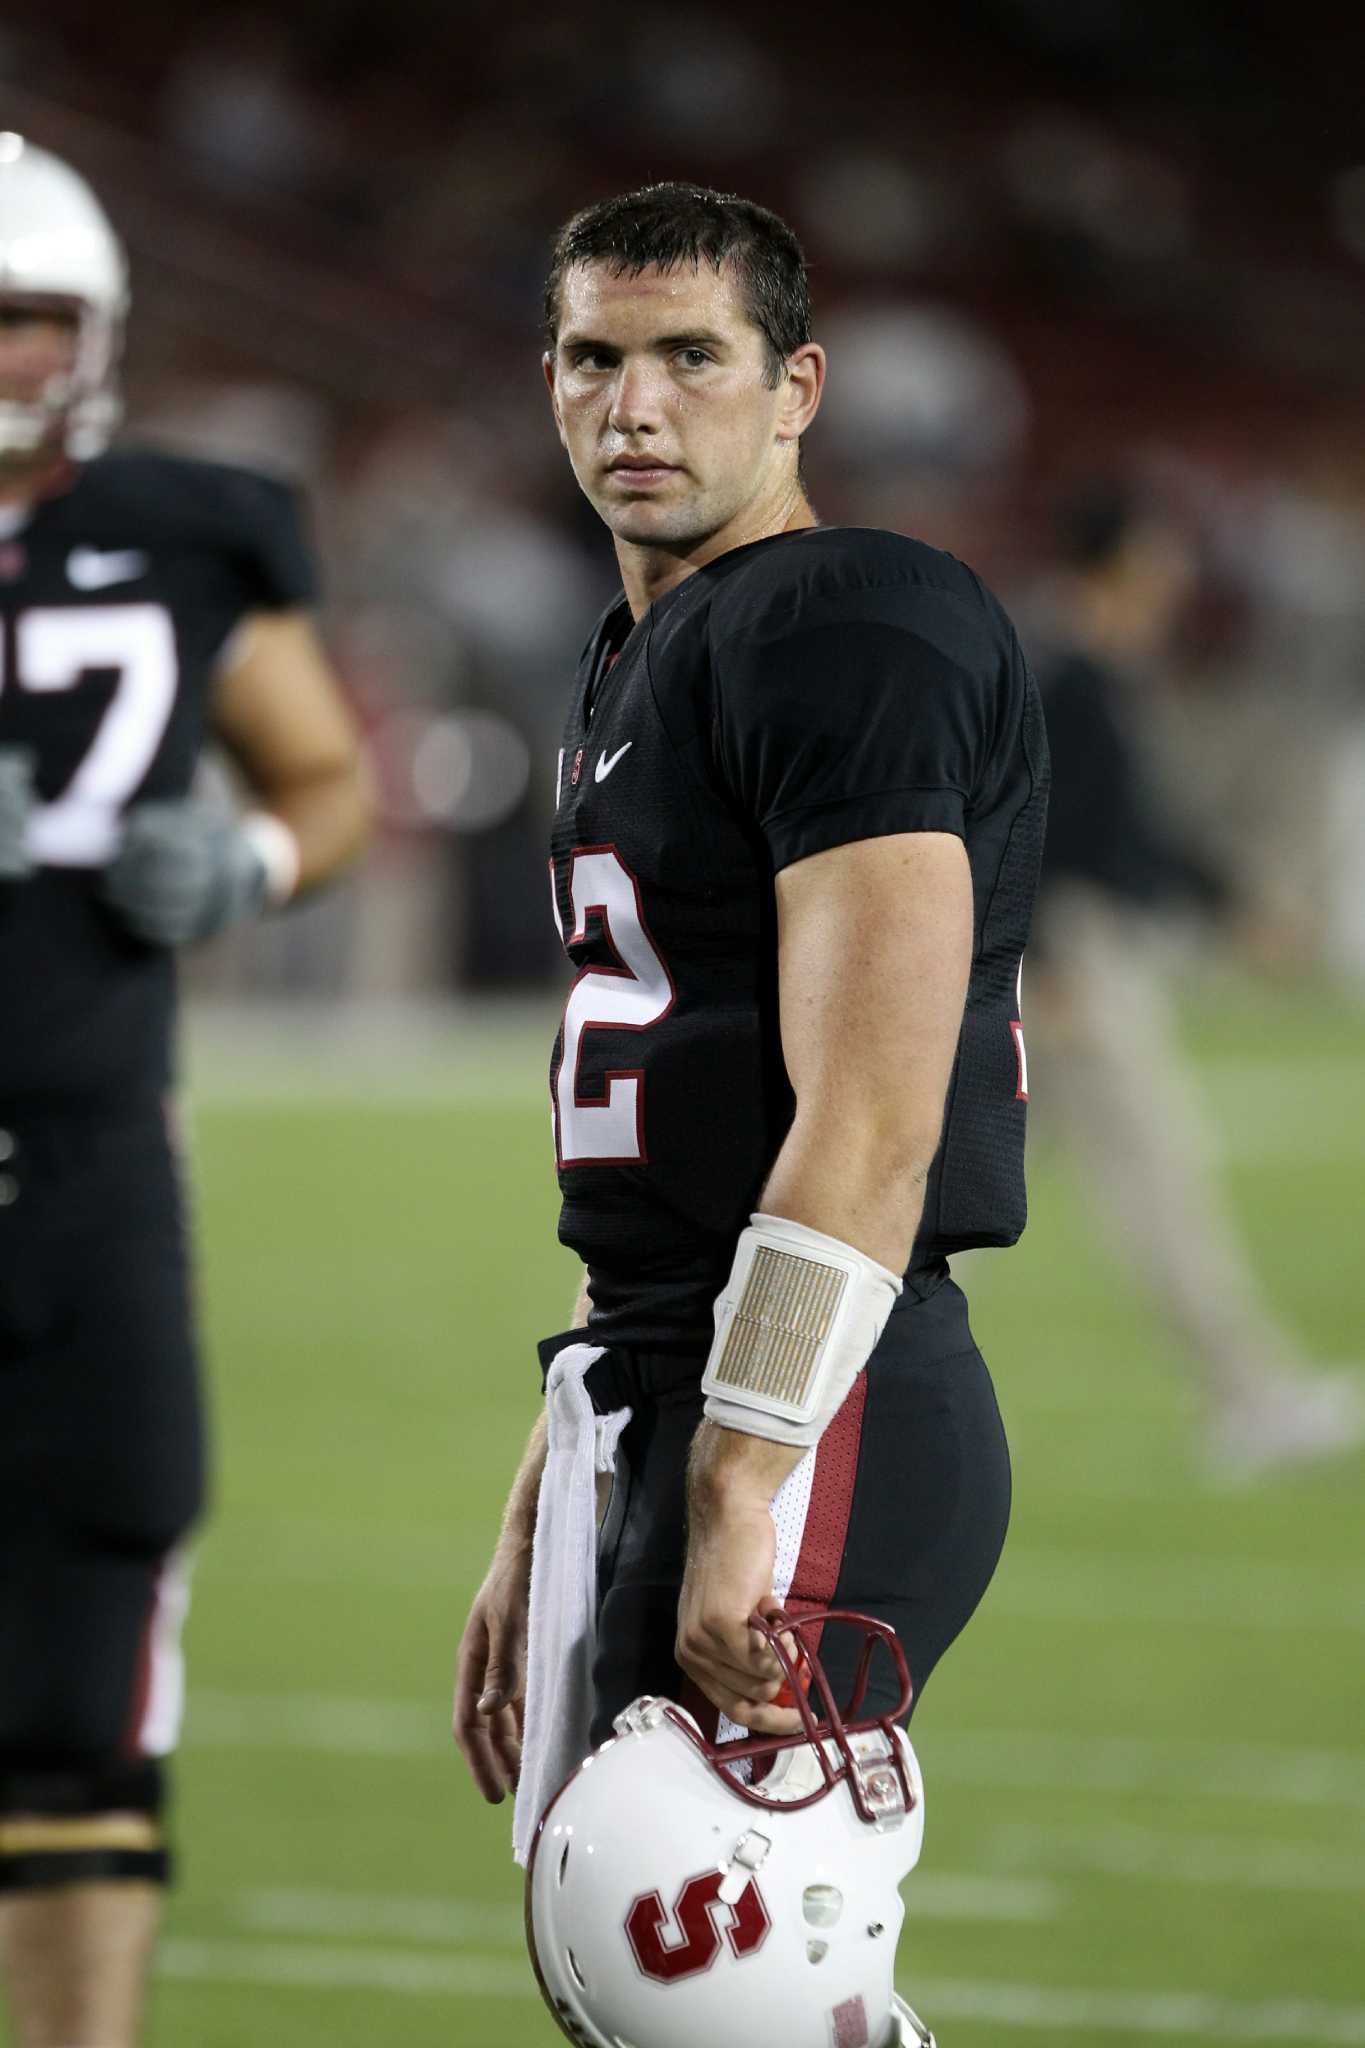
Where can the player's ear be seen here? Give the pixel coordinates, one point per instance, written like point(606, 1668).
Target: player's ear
point(547, 364)
point(801, 390)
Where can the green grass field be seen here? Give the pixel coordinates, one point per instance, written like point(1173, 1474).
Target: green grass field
point(1145, 1760)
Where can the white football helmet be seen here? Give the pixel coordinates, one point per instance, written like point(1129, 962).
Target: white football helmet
point(57, 245)
point(674, 1902)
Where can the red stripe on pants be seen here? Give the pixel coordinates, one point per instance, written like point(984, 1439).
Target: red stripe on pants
point(131, 1744)
point(828, 1513)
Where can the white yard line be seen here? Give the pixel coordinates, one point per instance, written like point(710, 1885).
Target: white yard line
point(1172, 1481)
point(1189, 2014)
point(1246, 1773)
point(1024, 1859)
point(1025, 1760)
point(1060, 2009)
point(1165, 1856)
point(336, 1725)
point(1147, 1460)
point(1077, 1585)
point(461, 1923)
point(946, 1896)
point(313, 1967)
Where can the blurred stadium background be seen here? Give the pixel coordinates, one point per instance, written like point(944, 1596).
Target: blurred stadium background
point(1050, 238)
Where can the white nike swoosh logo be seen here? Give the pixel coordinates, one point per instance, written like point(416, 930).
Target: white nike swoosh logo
point(606, 762)
point(93, 568)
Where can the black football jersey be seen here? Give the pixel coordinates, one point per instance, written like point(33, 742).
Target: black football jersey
point(117, 598)
point(796, 694)
point(1106, 824)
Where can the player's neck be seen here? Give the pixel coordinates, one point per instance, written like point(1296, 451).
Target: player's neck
point(648, 573)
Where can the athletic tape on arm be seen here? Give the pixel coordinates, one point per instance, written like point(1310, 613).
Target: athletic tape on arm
point(796, 1322)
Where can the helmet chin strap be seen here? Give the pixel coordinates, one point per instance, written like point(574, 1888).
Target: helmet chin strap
point(911, 2030)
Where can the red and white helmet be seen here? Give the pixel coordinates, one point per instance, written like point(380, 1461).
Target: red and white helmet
point(56, 246)
point(672, 1904)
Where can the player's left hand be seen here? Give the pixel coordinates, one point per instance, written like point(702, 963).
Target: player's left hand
point(183, 871)
point(731, 1552)
point(489, 1711)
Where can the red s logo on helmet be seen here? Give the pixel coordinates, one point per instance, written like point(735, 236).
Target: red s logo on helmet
point(695, 1916)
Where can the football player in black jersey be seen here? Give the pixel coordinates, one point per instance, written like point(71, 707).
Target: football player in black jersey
point(800, 809)
point(146, 602)
point(1115, 872)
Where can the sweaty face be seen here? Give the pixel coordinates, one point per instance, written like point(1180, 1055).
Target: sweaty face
point(660, 395)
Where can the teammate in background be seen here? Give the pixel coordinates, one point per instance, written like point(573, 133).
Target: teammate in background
point(1124, 1098)
point(800, 804)
point(147, 602)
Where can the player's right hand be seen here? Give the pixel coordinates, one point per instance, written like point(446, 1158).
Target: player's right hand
point(490, 1675)
point(184, 869)
point(16, 808)
point(731, 1549)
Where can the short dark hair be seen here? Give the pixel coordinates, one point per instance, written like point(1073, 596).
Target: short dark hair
point(676, 223)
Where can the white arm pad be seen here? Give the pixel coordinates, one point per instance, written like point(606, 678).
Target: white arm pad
point(277, 850)
point(796, 1322)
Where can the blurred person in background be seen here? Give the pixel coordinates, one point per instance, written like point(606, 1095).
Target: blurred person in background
point(148, 602)
point(799, 807)
point(1118, 878)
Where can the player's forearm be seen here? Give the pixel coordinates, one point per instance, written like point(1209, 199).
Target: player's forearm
point(519, 1514)
point(329, 816)
point(728, 1469)
point(857, 1175)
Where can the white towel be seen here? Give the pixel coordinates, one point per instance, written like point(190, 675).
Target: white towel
point(562, 1627)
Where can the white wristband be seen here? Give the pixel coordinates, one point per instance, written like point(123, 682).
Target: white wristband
point(278, 850)
point(796, 1322)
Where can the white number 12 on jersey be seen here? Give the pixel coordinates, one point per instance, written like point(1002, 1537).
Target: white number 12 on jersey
point(608, 1131)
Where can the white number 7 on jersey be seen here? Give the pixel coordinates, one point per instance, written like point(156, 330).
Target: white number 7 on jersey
point(608, 1131)
point(54, 647)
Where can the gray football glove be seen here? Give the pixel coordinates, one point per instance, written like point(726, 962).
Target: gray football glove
point(16, 807)
point(183, 871)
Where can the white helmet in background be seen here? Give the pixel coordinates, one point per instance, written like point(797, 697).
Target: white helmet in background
point(672, 1904)
point(56, 244)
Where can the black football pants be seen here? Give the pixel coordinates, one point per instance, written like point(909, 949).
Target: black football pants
point(900, 1513)
point(101, 1474)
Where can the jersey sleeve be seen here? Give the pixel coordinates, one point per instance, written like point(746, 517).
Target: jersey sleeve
point(868, 714)
point(271, 553)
